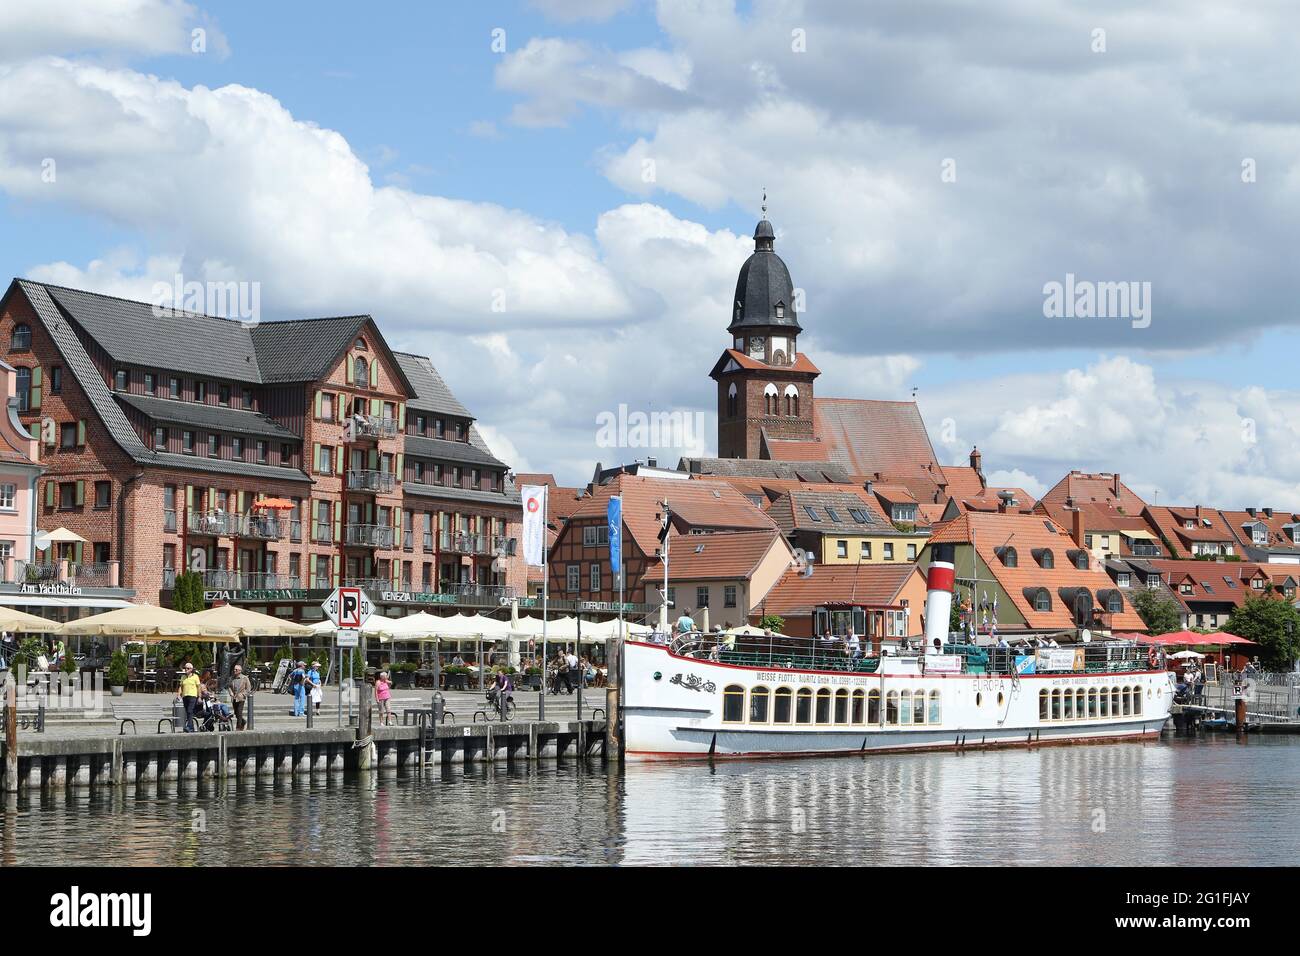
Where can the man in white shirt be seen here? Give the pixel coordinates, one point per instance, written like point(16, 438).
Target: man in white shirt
point(854, 645)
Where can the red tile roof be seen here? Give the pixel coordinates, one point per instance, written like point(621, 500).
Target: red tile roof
point(801, 363)
point(866, 436)
point(727, 555)
point(1209, 525)
point(873, 584)
point(1220, 582)
point(1104, 487)
point(1029, 535)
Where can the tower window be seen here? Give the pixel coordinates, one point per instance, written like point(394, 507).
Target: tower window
point(780, 310)
point(731, 401)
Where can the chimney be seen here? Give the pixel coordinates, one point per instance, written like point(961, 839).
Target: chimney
point(939, 580)
point(867, 486)
point(1251, 512)
point(975, 458)
point(1114, 484)
point(1198, 512)
point(652, 462)
point(1268, 512)
point(1077, 529)
point(1005, 500)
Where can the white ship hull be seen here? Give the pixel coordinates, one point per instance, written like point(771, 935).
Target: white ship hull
point(678, 707)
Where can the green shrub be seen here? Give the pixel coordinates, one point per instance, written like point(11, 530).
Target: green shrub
point(117, 670)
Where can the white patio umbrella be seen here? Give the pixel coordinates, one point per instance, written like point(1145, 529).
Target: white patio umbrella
point(1184, 655)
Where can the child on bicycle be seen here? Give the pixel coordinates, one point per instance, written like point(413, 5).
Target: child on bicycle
point(500, 692)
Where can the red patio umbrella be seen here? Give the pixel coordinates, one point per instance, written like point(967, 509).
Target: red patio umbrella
point(1191, 638)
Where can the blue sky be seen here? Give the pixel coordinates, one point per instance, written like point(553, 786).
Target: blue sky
point(910, 283)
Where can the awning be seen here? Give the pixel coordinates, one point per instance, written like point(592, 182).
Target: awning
point(1141, 535)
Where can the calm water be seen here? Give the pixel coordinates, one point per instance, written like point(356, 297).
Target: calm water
point(1186, 802)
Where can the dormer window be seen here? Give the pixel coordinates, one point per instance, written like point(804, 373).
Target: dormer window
point(780, 310)
point(1261, 534)
point(1009, 557)
point(1046, 559)
point(1042, 600)
point(903, 513)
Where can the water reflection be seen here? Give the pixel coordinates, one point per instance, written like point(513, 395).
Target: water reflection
point(1154, 804)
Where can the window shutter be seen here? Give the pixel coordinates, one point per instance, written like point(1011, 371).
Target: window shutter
point(376, 406)
point(374, 459)
point(49, 494)
point(338, 522)
point(189, 496)
point(370, 512)
point(35, 394)
point(338, 458)
point(243, 501)
point(81, 493)
point(212, 499)
point(335, 562)
point(79, 551)
point(401, 415)
point(81, 432)
point(374, 373)
point(397, 575)
point(349, 370)
point(401, 475)
point(315, 457)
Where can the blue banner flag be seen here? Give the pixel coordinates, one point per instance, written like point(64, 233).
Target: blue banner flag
point(615, 517)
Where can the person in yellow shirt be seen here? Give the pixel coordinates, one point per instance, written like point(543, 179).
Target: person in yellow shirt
point(189, 694)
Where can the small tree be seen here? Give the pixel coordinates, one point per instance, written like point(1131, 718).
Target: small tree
point(1158, 612)
point(772, 622)
point(117, 671)
point(1272, 624)
point(187, 593)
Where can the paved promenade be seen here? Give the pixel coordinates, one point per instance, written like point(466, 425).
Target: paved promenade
point(275, 711)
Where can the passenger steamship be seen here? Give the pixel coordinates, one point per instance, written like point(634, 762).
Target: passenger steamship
point(761, 696)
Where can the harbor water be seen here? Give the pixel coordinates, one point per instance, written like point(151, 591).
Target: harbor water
point(1207, 801)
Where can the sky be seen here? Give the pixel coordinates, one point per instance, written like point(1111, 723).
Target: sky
point(552, 199)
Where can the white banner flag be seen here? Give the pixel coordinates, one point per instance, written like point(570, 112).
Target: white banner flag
point(534, 499)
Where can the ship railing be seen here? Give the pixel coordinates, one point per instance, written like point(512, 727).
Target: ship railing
point(778, 652)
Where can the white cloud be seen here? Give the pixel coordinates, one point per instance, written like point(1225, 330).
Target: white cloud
point(149, 27)
point(581, 9)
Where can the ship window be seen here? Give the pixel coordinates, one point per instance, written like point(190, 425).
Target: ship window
point(803, 706)
point(873, 707)
point(781, 706)
point(918, 707)
point(1104, 702)
point(1137, 701)
point(758, 705)
point(733, 704)
point(1080, 704)
point(824, 706)
point(859, 711)
point(1067, 705)
point(1056, 705)
point(1092, 702)
point(936, 708)
point(1114, 702)
point(905, 707)
point(841, 706)
point(1125, 700)
point(1044, 705)
point(891, 707)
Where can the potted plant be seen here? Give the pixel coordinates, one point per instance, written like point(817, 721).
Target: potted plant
point(533, 677)
point(117, 674)
point(455, 677)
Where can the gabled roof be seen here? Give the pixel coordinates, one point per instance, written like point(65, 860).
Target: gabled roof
point(1277, 527)
point(431, 392)
point(1209, 525)
point(786, 449)
point(1030, 535)
point(873, 584)
point(727, 555)
point(834, 510)
point(702, 505)
point(1104, 487)
point(865, 436)
point(1215, 582)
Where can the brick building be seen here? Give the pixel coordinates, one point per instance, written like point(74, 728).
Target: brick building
point(279, 459)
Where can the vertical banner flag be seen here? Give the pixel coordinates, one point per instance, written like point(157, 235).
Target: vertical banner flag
point(534, 501)
point(614, 513)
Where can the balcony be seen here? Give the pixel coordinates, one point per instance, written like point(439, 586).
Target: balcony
point(220, 579)
point(463, 542)
point(261, 527)
point(380, 482)
point(368, 536)
point(503, 545)
point(1146, 550)
point(97, 575)
point(492, 592)
point(212, 523)
point(372, 426)
point(368, 584)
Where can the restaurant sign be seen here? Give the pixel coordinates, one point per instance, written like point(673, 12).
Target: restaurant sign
point(59, 587)
point(419, 597)
point(265, 595)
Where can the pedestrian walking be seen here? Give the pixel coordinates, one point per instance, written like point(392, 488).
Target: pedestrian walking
point(188, 693)
point(240, 688)
point(297, 683)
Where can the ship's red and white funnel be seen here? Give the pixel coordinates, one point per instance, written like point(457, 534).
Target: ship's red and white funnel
point(938, 596)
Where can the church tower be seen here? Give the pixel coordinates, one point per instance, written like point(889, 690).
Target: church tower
point(765, 387)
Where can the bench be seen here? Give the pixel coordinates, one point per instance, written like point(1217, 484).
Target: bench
point(128, 711)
